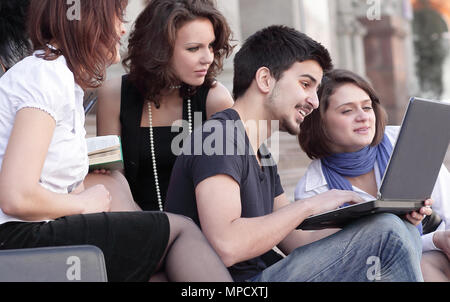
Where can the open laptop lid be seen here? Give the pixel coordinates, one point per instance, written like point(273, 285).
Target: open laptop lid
point(424, 135)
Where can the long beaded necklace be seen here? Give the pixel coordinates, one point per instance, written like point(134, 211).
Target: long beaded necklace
point(152, 146)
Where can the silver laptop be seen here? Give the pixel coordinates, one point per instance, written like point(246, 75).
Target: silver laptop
point(412, 169)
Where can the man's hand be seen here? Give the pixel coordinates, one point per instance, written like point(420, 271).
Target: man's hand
point(332, 200)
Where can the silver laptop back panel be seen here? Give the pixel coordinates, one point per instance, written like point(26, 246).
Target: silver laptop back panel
point(419, 152)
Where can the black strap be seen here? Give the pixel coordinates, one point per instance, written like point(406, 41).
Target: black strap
point(431, 223)
point(89, 102)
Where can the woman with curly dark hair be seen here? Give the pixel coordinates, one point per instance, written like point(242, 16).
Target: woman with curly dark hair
point(14, 42)
point(175, 52)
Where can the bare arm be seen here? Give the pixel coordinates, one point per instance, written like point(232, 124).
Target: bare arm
point(21, 195)
point(237, 239)
point(108, 112)
point(108, 108)
point(219, 99)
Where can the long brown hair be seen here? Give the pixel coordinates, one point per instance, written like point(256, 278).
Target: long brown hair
point(313, 137)
point(87, 44)
point(152, 41)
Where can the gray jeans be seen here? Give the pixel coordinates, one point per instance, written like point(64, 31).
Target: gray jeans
point(380, 247)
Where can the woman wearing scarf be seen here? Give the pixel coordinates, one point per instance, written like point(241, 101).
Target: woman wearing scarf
point(350, 145)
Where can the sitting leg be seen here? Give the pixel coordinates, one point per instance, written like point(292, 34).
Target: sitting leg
point(117, 185)
point(435, 267)
point(381, 247)
point(189, 256)
point(133, 244)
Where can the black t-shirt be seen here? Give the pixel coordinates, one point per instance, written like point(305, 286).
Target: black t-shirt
point(221, 146)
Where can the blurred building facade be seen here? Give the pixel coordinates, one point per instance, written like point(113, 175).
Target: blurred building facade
point(375, 38)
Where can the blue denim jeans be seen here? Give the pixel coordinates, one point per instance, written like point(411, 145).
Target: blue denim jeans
point(380, 247)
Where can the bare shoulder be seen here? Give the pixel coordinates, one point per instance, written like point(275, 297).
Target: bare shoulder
point(108, 107)
point(219, 98)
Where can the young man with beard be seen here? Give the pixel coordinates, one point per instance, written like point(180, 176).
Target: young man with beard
point(234, 193)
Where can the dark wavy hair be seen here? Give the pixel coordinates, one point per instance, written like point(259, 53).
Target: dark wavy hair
point(14, 43)
point(313, 137)
point(152, 41)
point(276, 47)
point(88, 44)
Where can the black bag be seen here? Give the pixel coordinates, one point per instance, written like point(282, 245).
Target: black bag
point(430, 223)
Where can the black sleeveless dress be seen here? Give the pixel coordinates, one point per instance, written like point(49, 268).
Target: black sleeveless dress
point(136, 145)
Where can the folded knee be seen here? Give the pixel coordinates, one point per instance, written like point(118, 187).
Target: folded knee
point(182, 224)
point(398, 229)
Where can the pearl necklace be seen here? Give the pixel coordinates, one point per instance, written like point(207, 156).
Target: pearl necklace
point(152, 148)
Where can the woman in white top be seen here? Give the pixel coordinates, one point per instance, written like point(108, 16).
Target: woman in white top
point(43, 201)
point(350, 147)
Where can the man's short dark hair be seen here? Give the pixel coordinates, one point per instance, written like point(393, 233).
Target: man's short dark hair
point(276, 47)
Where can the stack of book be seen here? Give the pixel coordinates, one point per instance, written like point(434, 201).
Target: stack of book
point(105, 152)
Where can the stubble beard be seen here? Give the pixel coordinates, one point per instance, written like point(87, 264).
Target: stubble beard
point(284, 124)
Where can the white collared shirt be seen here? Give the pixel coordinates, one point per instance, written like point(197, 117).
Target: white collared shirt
point(50, 87)
point(314, 182)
